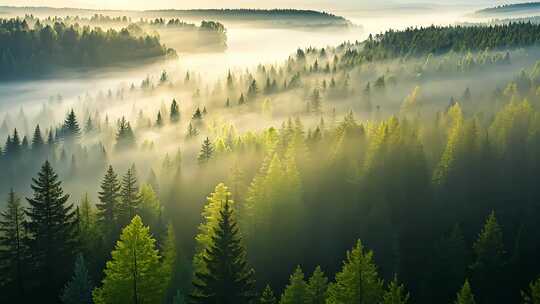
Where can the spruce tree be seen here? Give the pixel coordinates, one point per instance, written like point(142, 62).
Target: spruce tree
point(465, 295)
point(107, 208)
point(175, 112)
point(52, 226)
point(129, 197)
point(358, 281)
point(267, 296)
point(317, 287)
point(490, 261)
point(134, 275)
point(297, 290)
point(395, 294)
point(13, 251)
point(206, 153)
point(71, 130)
point(159, 120)
point(227, 278)
point(37, 141)
point(79, 289)
point(125, 138)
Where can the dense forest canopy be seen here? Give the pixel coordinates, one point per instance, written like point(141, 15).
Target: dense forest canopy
point(30, 49)
point(443, 39)
point(355, 173)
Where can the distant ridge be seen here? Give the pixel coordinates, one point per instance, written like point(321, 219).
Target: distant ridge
point(267, 16)
point(516, 8)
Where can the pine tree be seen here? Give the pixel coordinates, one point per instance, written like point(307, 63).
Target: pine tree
point(175, 112)
point(206, 153)
point(159, 120)
point(317, 287)
point(358, 281)
point(316, 102)
point(395, 294)
point(192, 131)
point(134, 273)
point(465, 295)
point(267, 296)
point(37, 141)
point(129, 197)
point(52, 225)
point(197, 115)
point(169, 258)
point(107, 207)
point(125, 138)
point(227, 278)
point(79, 289)
point(89, 126)
point(297, 290)
point(488, 267)
point(71, 130)
point(207, 229)
point(13, 251)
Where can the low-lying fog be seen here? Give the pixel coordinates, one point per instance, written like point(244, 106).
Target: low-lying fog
point(247, 47)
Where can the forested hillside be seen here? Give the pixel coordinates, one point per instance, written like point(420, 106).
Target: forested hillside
point(357, 173)
point(32, 49)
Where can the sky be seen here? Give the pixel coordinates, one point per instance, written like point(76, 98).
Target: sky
point(186, 4)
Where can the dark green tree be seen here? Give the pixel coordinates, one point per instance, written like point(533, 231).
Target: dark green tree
point(125, 138)
point(206, 153)
point(13, 251)
point(268, 296)
point(175, 112)
point(79, 289)
point(52, 226)
point(227, 278)
point(107, 208)
point(129, 197)
point(71, 131)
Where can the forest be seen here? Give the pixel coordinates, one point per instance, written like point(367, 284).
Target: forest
point(526, 7)
point(399, 169)
point(32, 49)
point(443, 39)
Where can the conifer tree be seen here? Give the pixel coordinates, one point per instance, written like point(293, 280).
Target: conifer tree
point(465, 295)
point(107, 208)
point(297, 290)
point(395, 294)
point(192, 131)
point(226, 278)
point(129, 197)
point(79, 289)
point(134, 273)
point(267, 296)
point(206, 153)
point(488, 267)
point(197, 115)
point(358, 281)
point(71, 130)
point(317, 287)
point(316, 102)
point(13, 251)
point(207, 229)
point(52, 226)
point(37, 140)
point(159, 120)
point(125, 138)
point(175, 112)
point(89, 126)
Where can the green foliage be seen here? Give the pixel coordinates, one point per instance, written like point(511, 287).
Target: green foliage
point(317, 287)
point(297, 290)
point(532, 295)
point(107, 208)
point(206, 153)
point(129, 197)
point(225, 277)
point(125, 138)
point(267, 296)
point(13, 251)
point(52, 228)
point(358, 281)
point(465, 295)
point(79, 289)
point(395, 293)
point(134, 275)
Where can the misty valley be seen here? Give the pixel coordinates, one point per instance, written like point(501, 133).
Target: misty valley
point(265, 156)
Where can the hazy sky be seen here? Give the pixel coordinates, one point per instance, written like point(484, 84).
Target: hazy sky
point(156, 4)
